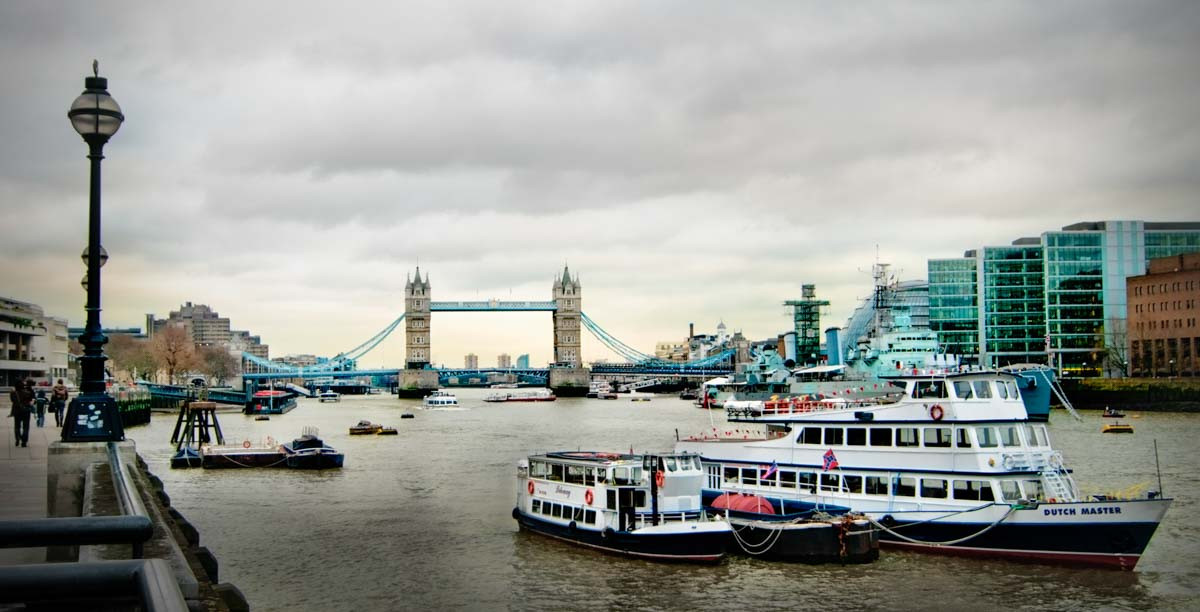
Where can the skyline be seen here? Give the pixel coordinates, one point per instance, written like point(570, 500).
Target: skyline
point(691, 162)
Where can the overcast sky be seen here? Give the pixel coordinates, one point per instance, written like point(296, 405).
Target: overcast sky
point(289, 163)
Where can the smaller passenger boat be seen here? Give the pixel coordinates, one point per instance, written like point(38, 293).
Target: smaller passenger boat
point(534, 395)
point(1113, 414)
point(262, 417)
point(689, 394)
point(439, 399)
point(1117, 428)
point(599, 387)
point(270, 401)
point(329, 395)
point(308, 452)
point(387, 431)
point(364, 428)
point(408, 415)
point(645, 505)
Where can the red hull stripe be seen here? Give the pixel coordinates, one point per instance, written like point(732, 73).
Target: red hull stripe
point(1110, 560)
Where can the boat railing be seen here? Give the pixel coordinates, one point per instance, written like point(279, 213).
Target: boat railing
point(646, 519)
point(1031, 461)
point(795, 405)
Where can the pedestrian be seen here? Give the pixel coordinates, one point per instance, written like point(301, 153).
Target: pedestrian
point(40, 401)
point(22, 406)
point(58, 402)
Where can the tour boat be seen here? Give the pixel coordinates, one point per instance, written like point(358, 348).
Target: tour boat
point(952, 464)
point(365, 428)
point(599, 387)
point(645, 506)
point(329, 395)
point(533, 395)
point(1112, 414)
point(439, 399)
point(270, 401)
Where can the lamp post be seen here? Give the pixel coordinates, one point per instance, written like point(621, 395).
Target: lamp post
point(92, 415)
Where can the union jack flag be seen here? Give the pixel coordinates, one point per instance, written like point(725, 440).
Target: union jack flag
point(831, 462)
point(768, 470)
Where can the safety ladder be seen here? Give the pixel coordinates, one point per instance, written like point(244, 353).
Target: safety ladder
point(1057, 486)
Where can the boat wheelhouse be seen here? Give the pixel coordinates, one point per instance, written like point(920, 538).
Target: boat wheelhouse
point(439, 399)
point(952, 464)
point(645, 506)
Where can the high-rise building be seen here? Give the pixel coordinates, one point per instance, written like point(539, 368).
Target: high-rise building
point(208, 328)
point(1058, 298)
point(1163, 332)
point(504, 360)
point(471, 362)
point(523, 361)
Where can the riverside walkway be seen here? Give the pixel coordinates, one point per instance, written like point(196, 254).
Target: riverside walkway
point(23, 479)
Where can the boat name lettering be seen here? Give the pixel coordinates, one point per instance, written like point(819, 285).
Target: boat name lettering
point(1071, 511)
point(559, 490)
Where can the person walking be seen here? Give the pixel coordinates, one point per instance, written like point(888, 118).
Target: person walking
point(58, 402)
point(40, 401)
point(22, 406)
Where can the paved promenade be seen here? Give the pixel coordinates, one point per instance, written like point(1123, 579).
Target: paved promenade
point(23, 479)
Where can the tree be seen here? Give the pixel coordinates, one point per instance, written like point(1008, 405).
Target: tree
point(173, 350)
point(1116, 347)
point(131, 355)
point(216, 363)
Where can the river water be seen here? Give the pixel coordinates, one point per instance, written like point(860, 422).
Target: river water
point(422, 520)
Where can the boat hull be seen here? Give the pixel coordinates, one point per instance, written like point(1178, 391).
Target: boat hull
point(678, 546)
point(832, 541)
point(302, 460)
point(250, 458)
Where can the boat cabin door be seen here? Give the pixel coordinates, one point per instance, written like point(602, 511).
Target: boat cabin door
point(626, 507)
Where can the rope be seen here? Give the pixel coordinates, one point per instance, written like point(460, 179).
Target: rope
point(883, 527)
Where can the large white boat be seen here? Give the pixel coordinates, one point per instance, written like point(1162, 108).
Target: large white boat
point(540, 394)
point(645, 506)
point(950, 464)
point(439, 399)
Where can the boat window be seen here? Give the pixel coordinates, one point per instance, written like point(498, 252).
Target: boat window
point(877, 485)
point(986, 437)
point(809, 435)
point(671, 466)
point(578, 514)
point(933, 487)
point(575, 474)
point(1012, 389)
point(983, 390)
point(639, 498)
point(787, 479)
point(610, 501)
point(929, 388)
point(853, 484)
point(938, 437)
point(1008, 436)
point(1009, 490)
point(807, 480)
point(696, 462)
point(1033, 489)
point(537, 506)
point(856, 436)
point(881, 436)
point(589, 477)
point(906, 487)
point(621, 476)
point(829, 482)
point(589, 517)
point(833, 436)
point(907, 436)
point(730, 474)
point(962, 438)
point(750, 476)
point(978, 490)
point(601, 475)
point(556, 472)
point(1001, 390)
point(547, 508)
point(962, 389)
point(637, 474)
point(1031, 436)
point(556, 510)
point(1042, 436)
point(539, 469)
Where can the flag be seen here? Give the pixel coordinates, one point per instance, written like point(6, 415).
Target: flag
point(768, 470)
point(830, 460)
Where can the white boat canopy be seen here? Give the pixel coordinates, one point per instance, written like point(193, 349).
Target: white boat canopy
point(822, 369)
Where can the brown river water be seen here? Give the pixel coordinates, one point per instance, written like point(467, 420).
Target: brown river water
point(423, 520)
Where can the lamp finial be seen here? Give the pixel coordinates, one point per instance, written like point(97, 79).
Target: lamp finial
point(96, 67)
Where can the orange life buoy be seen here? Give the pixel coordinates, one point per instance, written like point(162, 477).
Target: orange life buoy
point(246, 444)
point(936, 412)
point(587, 497)
point(659, 478)
point(530, 487)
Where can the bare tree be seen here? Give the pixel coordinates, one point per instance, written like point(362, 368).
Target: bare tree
point(1115, 336)
point(132, 355)
point(216, 363)
point(173, 350)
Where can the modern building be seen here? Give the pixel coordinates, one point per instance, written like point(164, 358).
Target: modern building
point(32, 344)
point(1163, 334)
point(1059, 298)
point(523, 361)
point(504, 361)
point(471, 361)
point(208, 328)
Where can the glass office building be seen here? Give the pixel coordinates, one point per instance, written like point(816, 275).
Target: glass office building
point(954, 304)
point(1056, 299)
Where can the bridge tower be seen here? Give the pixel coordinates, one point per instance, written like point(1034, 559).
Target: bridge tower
point(416, 322)
point(568, 377)
point(567, 320)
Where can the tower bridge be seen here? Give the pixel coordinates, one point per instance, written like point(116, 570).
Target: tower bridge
point(566, 375)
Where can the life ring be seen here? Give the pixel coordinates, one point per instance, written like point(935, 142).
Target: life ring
point(529, 487)
point(1008, 462)
point(587, 497)
point(659, 479)
point(245, 444)
point(936, 413)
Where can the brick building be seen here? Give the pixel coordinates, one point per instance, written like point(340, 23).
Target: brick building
point(1164, 317)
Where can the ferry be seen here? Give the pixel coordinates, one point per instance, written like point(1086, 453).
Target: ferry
point(952, 464)
point(439, 399)
point(534, 395)
point(329, 395)
point(644, 505)
point(306, 452)
point(599, 387)
point(270, 401)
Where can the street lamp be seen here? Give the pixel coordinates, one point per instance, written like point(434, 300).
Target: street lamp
point(92, 415)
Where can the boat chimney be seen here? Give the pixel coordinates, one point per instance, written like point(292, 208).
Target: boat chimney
point(691, 331)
